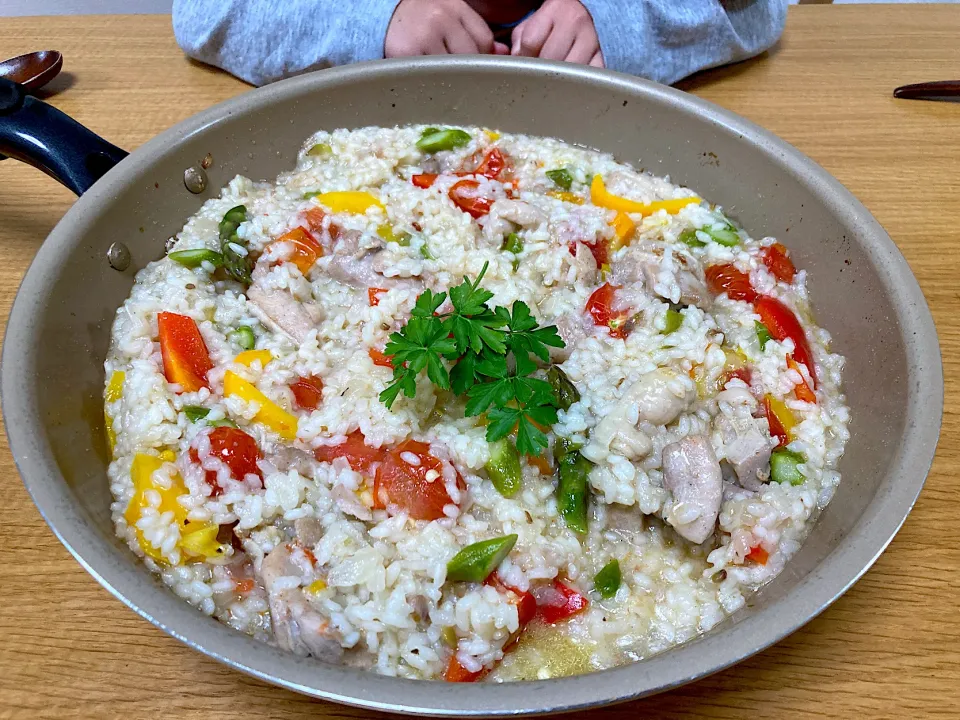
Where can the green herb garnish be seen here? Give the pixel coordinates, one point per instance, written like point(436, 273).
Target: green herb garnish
point(489, 351)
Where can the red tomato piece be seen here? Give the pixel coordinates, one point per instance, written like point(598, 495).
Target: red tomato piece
point(493, 164)
point(186, 360)
point(740, 373)
point(600, 307)
point(306, 250)
point(728, 279)
point(373, 295)
point(802, 390)
point(465, 195)
point(406, 485)
point(424, 180)
point(359, 456)
point(526, 603)
point(783, 324)
point(458, 673)
point(778, 261)
point(380, 359)
point(777, 429)
point(314, 217)
point(237, 450)
point(758, 555)
point(307, 392)
point(599, 249)
point(558, 602)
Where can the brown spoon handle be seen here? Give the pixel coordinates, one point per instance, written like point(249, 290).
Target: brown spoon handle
point(929, 90)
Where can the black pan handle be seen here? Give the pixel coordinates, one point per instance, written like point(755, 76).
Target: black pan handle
point(42, 136)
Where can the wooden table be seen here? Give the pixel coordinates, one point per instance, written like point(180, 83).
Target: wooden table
point(889, 648)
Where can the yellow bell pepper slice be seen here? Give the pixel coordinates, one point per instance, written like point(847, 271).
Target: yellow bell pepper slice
point(783, 413)
point(600, 197)
point(141, 474)
point(247, 357)
point(113, 393)
point(201, 542)
point(270, 414)
point(623, 229)
point(349, 201)
point(316, 587)
point(565, 196)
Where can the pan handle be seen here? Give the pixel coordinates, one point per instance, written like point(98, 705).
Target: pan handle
point(42, 136)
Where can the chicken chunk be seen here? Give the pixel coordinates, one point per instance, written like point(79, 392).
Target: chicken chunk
point(506, 215)
point(747, 450)
point(642, 264)
point(691, 473)
point(658, 397)
point(297, 626)
point(280, 311)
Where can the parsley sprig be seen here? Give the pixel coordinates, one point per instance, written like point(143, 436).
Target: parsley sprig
point(489, 350)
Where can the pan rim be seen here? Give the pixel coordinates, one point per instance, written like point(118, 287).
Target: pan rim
point(850, 559)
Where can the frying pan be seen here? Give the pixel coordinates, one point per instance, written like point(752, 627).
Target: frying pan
point(863, 291)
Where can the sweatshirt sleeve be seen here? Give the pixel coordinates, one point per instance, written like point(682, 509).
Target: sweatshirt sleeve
point(261, 41)
point(666, 40)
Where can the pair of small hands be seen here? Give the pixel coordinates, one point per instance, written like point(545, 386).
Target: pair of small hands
point(559, 30)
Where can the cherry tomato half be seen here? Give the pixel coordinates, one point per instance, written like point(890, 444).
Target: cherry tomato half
point(237, 450)
point(307, 392)
point(558, 602)
point(359, 456)
point(778, 262)
point(465, 195)
point(600, 307)
point(728, 279)
point(783, 324)
point(406, 485)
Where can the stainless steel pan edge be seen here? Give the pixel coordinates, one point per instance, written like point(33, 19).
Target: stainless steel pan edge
point(732, 642)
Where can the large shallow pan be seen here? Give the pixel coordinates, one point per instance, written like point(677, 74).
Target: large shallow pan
point(863, 290)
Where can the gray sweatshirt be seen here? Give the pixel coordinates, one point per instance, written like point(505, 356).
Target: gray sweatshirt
point(261, 41)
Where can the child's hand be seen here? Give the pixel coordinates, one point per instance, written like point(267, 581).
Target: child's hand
point(559, 30)
point(438, 27)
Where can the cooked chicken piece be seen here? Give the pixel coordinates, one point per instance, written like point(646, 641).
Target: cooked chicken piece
point(641, 264)
point(280, 311)
point(658, 397)
point(586, 264)
point(506, 215)
point(572, 329)
point(692, 474)
point(627, 522)
point(308, 530)
point(286, 458)
point(747, 449)
point(297, 627)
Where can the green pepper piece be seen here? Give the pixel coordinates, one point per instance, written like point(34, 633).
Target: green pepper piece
point(726, 236)
point(607, 581)
point(563, 447)
point(431, 142)
point(561, 178)
point(503, 467)
point(388, 234)
point(673, 322)
point(311, 194)
point(689, 237)
point(784, 467)
point(572, 490)
point(513, 243)
point(225, 422)
point(763, 335)
point(564, 391)
point(425, 252)
point(244, 337)
point(320, 150)
point(194, 258)
point(475, 562)
point(238, 266)
point(195, 412)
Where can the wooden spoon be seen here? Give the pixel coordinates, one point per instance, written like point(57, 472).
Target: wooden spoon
point(33, 70)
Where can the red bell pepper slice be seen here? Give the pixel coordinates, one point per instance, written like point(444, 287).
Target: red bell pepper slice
point(783, 324)
point(373, 295)
point(758, 555)
point(306, 250)
point(458, 673)
point(380, 359)
point(186, 360)
point(424, 180)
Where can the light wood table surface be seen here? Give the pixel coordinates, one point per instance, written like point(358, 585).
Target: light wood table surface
point(889, 648)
